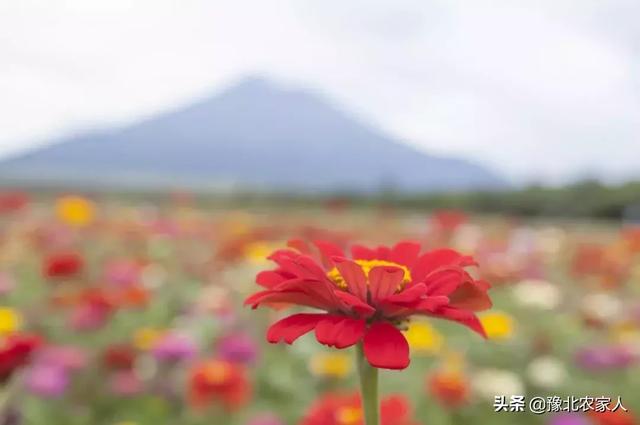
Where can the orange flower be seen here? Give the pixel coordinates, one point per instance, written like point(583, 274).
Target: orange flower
point(133, 296)
point(219, 381)
point(449, 388)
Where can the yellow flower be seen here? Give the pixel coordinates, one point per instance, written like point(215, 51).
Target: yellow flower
point(145, 338)
point(498, 325)
point(349, 415)
point(626, 333)
point(257, 252)
point(75, 210)
point(424, 338)
point(10, 320)
point(330, 365)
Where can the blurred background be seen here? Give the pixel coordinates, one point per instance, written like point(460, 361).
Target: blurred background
point(152, 155)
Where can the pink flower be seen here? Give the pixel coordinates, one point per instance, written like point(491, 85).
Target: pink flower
point(125, 383)
point(174, 347)
point(47, 381)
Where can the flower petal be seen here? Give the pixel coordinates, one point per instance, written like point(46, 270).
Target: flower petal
point(270, 278)
point(384, 281)
point(320, 290)
point(353, 276)
point(299, 245)
point(340, 331)
point(291, 328)
point(385, 347)
point(303, 266)
point(328, 250)
point(409, 295)
point(471, 296)
point(383, 253)
point(445, 281)
point(270, 298)
point(429, 262)
point(354, 303)
point(359, 252)
point(405, 253)
point(464, 317)
point(430, 304)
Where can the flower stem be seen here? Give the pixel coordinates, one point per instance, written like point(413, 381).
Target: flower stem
point(368, 388)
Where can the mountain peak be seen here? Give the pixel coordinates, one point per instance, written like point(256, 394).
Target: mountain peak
point(254, 134)
point(254, 85)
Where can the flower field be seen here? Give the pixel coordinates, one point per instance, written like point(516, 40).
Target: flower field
point(115, 310)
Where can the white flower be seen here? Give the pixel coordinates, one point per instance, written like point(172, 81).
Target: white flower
point(489, 383)
point(602, 306)
point(547, 372)
point(538, 294)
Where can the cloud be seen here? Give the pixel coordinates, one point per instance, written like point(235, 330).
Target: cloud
point(548, 91)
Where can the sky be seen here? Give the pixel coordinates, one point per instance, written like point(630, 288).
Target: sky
point(545, 91)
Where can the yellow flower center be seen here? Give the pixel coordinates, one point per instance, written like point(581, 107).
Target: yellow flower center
point(366, 265)
point(216, 372)
point(10, 320)
point(349, 415)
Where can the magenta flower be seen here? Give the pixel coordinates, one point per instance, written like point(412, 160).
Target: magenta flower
point(47, 381)
point(605, 357)
point(238, 348)
point(174, 347)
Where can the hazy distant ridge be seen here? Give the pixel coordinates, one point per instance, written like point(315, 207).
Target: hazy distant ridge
point(254, 135)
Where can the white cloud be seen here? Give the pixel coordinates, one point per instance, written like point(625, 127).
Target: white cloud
point(546, 91)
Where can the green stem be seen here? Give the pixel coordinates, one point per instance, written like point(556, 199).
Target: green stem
point(368, 388)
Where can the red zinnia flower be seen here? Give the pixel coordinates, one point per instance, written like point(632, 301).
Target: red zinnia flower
point(341, 409)
point(62, 265)
point(617, 417)
point(367, 297)
point(219, 381)
point(15, 351)
point(92, 309)
point(119, 357)
point(448, 220)
point(12, 201)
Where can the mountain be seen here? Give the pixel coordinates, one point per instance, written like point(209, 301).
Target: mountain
point(254, 135)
